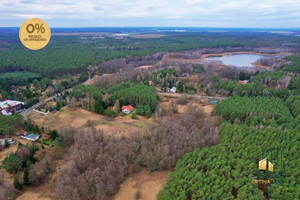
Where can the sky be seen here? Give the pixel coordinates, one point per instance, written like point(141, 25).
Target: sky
point(153, 13)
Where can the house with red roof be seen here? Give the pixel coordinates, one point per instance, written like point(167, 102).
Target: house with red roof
point(243, 82)
point(127, 109)
point(21, 133)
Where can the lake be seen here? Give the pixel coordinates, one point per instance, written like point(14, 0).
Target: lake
point(239, 60)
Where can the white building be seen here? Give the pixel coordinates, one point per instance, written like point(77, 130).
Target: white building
point(173, 90)
point(8, 106)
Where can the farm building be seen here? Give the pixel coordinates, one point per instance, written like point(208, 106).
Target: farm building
point(21, 133)
point(31, 137)
point(27, 136)
point(127, 109)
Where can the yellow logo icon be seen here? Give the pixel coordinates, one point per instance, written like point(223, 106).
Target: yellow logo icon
point(265, 165)
point(35, 34)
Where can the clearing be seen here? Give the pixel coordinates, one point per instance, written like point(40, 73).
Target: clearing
point(199, 103)
point(76, 117)
point(148, 184)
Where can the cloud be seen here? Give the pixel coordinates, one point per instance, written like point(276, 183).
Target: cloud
point(223, 13)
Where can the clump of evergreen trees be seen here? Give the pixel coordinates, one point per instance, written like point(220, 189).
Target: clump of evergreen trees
point(226, 171)
point(256, 111)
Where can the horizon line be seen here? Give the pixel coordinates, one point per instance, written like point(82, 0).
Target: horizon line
point(165, 27)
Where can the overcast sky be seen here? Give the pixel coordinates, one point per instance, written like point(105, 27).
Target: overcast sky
point(184, 13)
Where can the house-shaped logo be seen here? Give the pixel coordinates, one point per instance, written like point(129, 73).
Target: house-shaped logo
point(266, 165)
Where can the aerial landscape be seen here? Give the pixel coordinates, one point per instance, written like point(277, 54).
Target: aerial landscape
point(145, 100)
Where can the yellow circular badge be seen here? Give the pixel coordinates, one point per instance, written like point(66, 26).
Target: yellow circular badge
point(35, 34)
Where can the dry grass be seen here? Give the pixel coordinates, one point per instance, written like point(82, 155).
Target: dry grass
point(144, 66)
point(202, 104)
point(5, 152)
point(6, 176)
point(78, 117)
point(148, 184)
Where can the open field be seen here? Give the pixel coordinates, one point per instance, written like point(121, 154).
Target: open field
point(78, 117)
point(148, 185)
point(182, 108)
point(199, 103)
point(144, 36)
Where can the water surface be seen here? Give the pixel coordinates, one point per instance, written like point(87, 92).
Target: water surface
point(239, 60)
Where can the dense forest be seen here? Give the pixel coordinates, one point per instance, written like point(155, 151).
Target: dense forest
point(294, 66)
point(18, 78)
point(10, 123)
point(72, 54)
point(271, 83)
point(226, 171)
point(260, 115)
point(256, 111)
point(127, 93)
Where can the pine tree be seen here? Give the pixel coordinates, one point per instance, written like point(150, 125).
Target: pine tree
point(25, 177)
point(17, 184)
point(58, 106)
point(180, 86)
point(6, 144)
point(117, 106)
point(148, 113)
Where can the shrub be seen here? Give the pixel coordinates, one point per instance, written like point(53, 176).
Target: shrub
point(12, 163)
point(133, 116)
point(109, 112)
point(183, 100)
point(148, 114)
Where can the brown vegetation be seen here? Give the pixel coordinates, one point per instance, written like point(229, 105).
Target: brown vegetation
point(98, 164)
point(148, 184)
